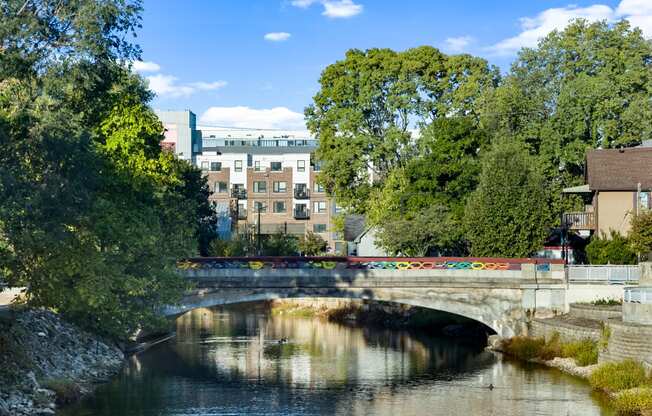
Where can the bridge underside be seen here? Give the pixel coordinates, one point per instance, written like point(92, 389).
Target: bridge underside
point(500, 309)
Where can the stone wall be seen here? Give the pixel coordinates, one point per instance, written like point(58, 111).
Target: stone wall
point(598, 313)
point(628, 341)
point(568, 332)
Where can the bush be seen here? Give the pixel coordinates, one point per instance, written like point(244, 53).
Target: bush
point(615, 377)
point(606, 302)
point(66, 391)
point(615, 249)
point(524, 348)
point(633, 401)
point(585, 352)
point(641, 234)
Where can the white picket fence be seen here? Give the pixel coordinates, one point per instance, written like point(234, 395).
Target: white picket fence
point(611, 274)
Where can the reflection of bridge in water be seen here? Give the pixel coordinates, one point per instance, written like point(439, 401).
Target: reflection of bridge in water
point(503, 294)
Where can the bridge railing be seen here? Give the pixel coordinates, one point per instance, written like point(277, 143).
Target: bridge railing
point(368, 263)
point(611, 274)
point(638, 295)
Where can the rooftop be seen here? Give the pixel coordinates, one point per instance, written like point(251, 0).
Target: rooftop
point(619, 169)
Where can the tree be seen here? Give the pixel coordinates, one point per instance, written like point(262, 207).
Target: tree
point(280, 244)
point(431, 229)
point(93, 215)
point(506, 215)
point(368, 103)
point(585, 87)
point(312, 244)
point(640, 235)
point(615, 249)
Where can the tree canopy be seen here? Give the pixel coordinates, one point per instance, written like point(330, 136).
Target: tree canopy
point(93, 214)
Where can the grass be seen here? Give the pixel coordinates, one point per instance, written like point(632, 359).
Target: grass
point(633, 401)
point(66, 391)
point(585, 352)
point(615, 377)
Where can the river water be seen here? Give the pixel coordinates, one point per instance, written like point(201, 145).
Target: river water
point(235, 361)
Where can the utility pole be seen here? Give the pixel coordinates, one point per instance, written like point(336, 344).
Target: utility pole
point(260, 206)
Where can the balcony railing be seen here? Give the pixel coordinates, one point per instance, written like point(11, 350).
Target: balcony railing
point(301, 214)
point(242, 214)
point(239, 193)
point(301, 193)
point(579, 220)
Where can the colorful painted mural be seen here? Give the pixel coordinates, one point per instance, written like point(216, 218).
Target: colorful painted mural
point(360, 263)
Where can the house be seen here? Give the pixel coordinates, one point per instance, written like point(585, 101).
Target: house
point(618, 186)
point(361, 238)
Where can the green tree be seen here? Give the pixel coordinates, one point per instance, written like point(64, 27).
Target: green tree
point(368, 103)
point(312, 244)
point(640, 235)
point(614, 249)
point(93, 215)
point(280, 244)
point(585, 87)
point(506, 215)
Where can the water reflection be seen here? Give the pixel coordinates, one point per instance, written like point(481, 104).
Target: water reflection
point(243, 362)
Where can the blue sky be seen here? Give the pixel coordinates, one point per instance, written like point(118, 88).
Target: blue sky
point(256, 63)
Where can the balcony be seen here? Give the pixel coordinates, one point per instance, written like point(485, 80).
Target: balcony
point(579, 220)
point(238, 193)
point(301, 214)
point(242, 214)
point(301, 193)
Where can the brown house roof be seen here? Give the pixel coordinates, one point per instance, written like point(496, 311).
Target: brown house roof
point(619, 169)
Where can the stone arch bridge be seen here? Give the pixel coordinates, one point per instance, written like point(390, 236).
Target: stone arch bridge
point(503, 294)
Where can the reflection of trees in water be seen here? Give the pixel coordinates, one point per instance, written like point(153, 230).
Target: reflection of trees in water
point(242, 345)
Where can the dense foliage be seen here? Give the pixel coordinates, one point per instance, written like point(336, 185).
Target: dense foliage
point(641, 234)
point(312, 244)
point(93, 215)
point(584, 87)
point(506, 214)
point(612, 249)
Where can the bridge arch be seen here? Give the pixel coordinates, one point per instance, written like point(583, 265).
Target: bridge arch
point(503, 324)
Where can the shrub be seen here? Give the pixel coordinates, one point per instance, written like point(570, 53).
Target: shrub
point(605, 335)
point(615, 377)
point(66, 391)
point(633, 401)
point(585, 352)
point(641, 234)
point(524, 348)
point(607, 302)
point(615, 249)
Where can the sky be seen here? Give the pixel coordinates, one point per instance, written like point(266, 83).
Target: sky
point(256, 63)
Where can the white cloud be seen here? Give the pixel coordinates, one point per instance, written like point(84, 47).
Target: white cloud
point(143, 66)
point(535, 28)
point(638, 12)
point(166, 85)
point(302, 3)
point(277, 36)
point(335, 9)
point(241, 116)
point(341, 9)
point(458, 44)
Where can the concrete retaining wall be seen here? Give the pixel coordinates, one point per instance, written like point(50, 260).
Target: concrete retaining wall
point(628, 341)
point(597, 313)
point(637, 313)
point(580, 292)
point(546, 328)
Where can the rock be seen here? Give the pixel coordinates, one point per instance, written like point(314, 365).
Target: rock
point(4, 409)
point(44, 397)
point(30, 384)
point(495, 342)
point(41, 334)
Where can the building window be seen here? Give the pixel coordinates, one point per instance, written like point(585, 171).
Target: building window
point(319, 228)
point(280, 207)
point(221, 187)
point(319, 207)
point(260, 206)
point(204, 166)
point(238, 165)
point(338, 209)
point(280, 187)
point(276, 166)
point(318, 187)
point(216, 166)
point(301, 165)
point(317, 166)
point(260, 187)
point(257, 165)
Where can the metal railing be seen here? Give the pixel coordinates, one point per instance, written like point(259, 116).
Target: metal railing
point(301, 214)
point(638, 295)
point(611, 274)
point(301, 193)
point(579, 220)
point(238, 193)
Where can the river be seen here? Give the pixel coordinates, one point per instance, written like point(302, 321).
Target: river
point(243, 361)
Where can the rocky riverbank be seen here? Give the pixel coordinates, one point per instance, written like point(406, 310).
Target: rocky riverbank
point(47, 362)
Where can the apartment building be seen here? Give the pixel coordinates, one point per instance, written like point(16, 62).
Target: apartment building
point(265, 180)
